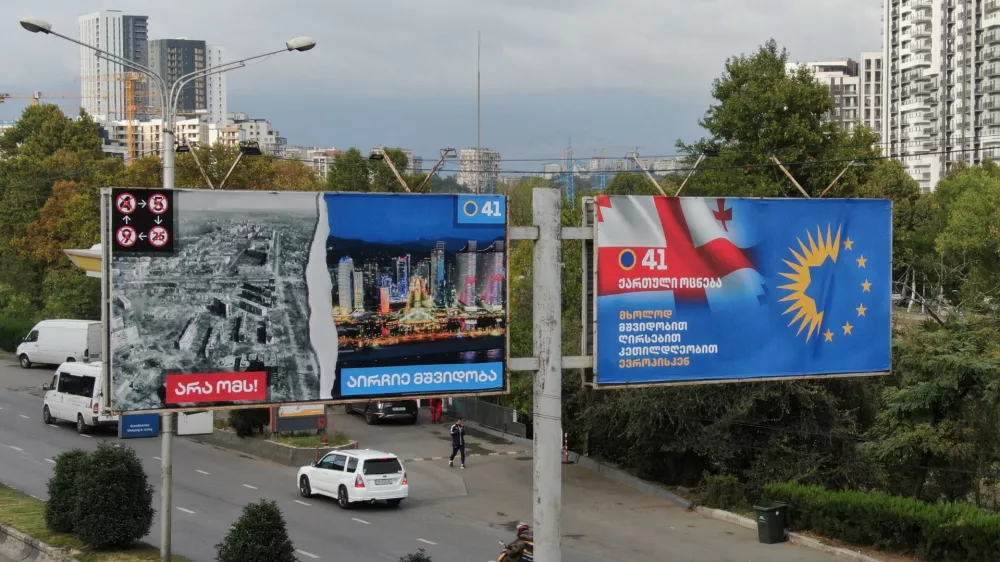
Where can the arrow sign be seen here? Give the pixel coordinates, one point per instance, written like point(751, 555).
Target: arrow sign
point(142, 236)
point(142, 203)
point(126, 219)
point(158, 220)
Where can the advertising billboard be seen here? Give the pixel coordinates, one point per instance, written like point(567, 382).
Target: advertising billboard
point(233, 298)
point(720, 290)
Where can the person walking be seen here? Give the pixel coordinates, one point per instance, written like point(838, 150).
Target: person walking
point(437, 410)
point(457, 442)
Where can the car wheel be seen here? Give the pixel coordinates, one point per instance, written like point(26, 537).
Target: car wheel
point(348, 409)
point(343, 500)
point(394, 502)
point(304, 488)
point(71, 359)
point(369, 418)
point(81, 426)
point(46, 415)
point(25, 362)
point(413, 420)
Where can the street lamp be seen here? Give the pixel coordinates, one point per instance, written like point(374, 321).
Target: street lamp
point(445, 153)
point(168, 96)
point(378, 153)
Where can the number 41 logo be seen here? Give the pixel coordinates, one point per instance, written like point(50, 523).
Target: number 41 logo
point(655, 258)
point(491, 209)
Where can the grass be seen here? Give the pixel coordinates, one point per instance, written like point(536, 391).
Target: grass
point(311, 440)
point(27, 515)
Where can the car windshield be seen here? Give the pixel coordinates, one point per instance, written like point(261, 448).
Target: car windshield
point(382, 466)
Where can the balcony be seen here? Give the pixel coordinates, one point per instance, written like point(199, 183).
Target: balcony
point(920, 31)
point(991, 6)
point(922, 46)
point(992, 20)
point(923, 15)
point(992, 87)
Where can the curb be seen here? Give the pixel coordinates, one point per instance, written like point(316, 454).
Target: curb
point(503, 454)
point(273, 451)
point(18, 546)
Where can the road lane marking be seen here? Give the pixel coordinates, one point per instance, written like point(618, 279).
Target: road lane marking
point(24, 416)
point(249, 486)
point(16, 448)
point(87, 436)
point(360, 520)
point(50, 460)
point(202, 472)
point(158, 458)
point(51, 425)
point(309, 554)
point(426, 541)
point(302, 503)
point(188, 511)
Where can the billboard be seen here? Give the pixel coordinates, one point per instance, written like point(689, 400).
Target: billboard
point(233, 298)
point(702, 290)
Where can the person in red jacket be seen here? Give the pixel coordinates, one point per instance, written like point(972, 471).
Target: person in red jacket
point(437, 410)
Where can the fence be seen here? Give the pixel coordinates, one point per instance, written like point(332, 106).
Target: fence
point(486, 414)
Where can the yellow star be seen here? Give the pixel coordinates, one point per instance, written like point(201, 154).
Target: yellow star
point(828, 335)
point(862, 261)
point(861, 309)
point(848, 244)
point(866, 286)
point(847, 328)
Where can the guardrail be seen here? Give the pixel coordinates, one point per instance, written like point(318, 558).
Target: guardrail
point(486, 414)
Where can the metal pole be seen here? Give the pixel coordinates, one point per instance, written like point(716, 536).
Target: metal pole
point(547, 303)
point(691, 173)
point(652, 180)
point(790, 176)
point(836, 179)
point(166, 468)
point(231, 168)
point(479, 148)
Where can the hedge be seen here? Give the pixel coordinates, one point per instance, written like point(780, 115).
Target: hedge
point(931, 531)
point(11, 332)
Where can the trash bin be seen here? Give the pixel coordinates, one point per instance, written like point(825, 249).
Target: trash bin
point(771, 521)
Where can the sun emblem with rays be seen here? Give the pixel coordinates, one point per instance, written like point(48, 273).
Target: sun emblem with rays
point(813, 255)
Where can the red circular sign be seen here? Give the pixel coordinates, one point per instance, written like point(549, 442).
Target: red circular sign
point(158, 203)
point(159, 236)
point(321, 422)
point(125, 203)
point(125, 236)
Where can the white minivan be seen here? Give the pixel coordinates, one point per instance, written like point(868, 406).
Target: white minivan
point(54, 341)
point(74, 395)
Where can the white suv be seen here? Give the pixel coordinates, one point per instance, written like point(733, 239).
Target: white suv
point(353, 476)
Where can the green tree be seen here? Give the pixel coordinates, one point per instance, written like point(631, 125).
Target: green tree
point(259, 535)
point(43, 130)
point(349, 171)
point(114, 500)
point(60, 509)
point(382, 177)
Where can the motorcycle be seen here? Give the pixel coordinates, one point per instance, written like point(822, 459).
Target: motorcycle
point(526, 556)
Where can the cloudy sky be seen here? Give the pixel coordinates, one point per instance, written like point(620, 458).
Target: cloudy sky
point(604, 73)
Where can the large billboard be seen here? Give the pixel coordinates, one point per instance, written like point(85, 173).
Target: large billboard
point(232, 298)
point(717, 290)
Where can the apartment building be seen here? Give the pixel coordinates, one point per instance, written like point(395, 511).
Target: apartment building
point(479, 169)
point(102, 84)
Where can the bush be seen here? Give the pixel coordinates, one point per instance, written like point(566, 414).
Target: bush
point(418, 556)
point(724, 492)
point(11, 332)
point(62, 488)
point(259, 535)
point(114, 501)
point(931, 531)
point(249, 422)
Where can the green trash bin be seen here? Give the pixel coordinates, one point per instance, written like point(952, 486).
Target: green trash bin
point(771, 521)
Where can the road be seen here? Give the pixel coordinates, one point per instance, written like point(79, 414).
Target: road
point(455, 515)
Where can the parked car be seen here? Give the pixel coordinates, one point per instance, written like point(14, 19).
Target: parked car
point(55, 341)
point(377, 410)
point(74, 395)
point(356, 476)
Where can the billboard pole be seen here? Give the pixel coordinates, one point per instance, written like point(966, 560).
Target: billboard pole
point(547, 304)
point(166, 468)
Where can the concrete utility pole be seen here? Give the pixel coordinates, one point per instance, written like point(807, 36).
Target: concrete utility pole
point(547, 304)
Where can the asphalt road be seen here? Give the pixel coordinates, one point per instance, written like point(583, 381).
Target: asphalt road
point(456, 516)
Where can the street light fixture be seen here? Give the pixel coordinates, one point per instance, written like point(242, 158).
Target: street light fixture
point(378, 153)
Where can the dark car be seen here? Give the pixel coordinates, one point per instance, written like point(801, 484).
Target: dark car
point(376, 411)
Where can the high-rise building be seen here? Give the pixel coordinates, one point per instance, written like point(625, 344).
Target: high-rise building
point(872, 96)
point(173, 58)
point(359, 290)
point(942, 77)
point(479, 171)
point(102, 83)
point(216, 89)
point(841, 76)
point(345, 280)
point(465, 275)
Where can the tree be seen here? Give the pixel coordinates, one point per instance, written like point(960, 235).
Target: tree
point(60, 509)
point(419, 556)
point(114, 503)
point(763, 110)
point(259, 535)
point(43, 130)
point(383, 179)
point(349, 172)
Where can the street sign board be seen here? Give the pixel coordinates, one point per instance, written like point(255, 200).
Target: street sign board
point(238, 298)
point(722, 290)
point(134, 426)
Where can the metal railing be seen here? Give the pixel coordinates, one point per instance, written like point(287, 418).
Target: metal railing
point(486, 414)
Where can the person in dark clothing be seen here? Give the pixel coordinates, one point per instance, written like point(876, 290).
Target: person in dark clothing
point(457, 442)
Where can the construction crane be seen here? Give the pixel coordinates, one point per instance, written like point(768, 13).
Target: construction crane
point(136, 91)
point(602, 177)
point(36, 97)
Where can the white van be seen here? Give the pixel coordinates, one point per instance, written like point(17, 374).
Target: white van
point(75, 395)
point(55, 341)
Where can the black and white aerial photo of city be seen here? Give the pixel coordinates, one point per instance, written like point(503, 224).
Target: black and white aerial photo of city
point(233, 297)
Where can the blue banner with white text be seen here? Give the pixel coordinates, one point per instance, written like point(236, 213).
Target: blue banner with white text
point(422, 379)
point(719, 289)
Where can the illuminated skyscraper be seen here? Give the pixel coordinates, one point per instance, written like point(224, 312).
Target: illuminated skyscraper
point(359, 290)
point(437, 276)
point(465, 281)
point(345, 280)
point(383, 300)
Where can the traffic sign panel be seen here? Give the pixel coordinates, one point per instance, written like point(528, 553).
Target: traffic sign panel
point(126, 236)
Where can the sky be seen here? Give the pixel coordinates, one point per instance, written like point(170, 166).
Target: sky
point(618, 74)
